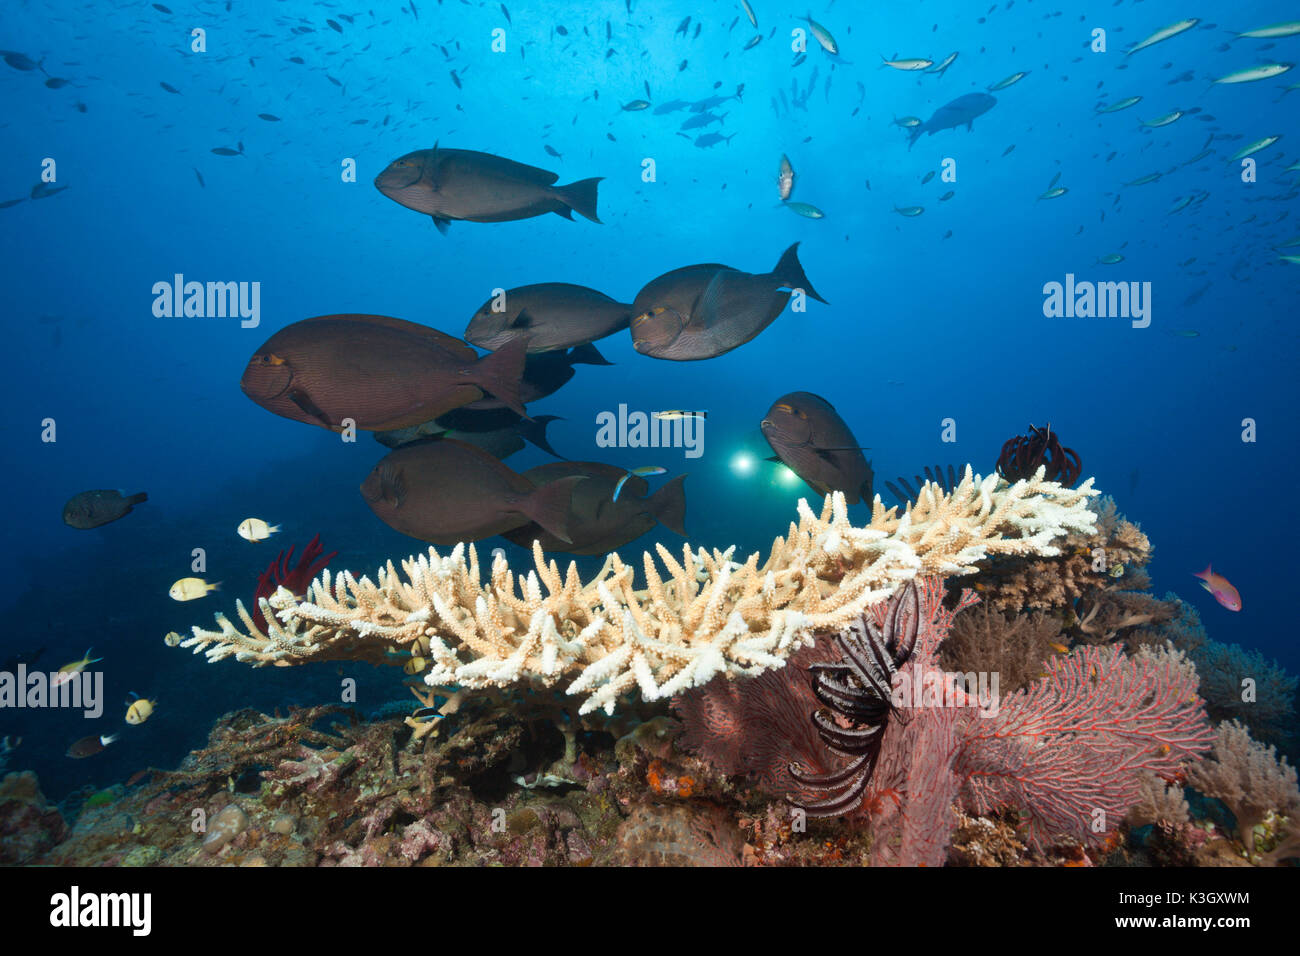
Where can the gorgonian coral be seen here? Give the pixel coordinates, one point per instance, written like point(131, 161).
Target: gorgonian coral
point(1065, 754)
point(856, 691)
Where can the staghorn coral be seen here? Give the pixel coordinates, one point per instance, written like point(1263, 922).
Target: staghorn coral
point(712, 615)
point(1259, 788)
point(1056, 582)
point(1013, 646)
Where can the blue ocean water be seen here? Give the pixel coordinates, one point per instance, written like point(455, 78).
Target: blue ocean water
point(931, 317)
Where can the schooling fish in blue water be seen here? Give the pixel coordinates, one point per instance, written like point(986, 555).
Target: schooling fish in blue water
point(960, 112)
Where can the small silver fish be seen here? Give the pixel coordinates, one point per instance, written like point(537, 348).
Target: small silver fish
point(785, 178)
point(807, 210)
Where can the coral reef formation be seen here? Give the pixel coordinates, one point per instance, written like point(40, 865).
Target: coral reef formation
point(712, 615)
point(1090, 565)
point(857, 692)
point(29, 825)
point(759, 727)
point(1014, 646)
point(1066, 754)
point(1259, 789)
point(1237, 684)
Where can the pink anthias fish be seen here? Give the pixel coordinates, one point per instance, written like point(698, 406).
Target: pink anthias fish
point(1219, 586)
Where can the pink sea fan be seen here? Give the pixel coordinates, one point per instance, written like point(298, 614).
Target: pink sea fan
point(758, 726)
point(1068, 751)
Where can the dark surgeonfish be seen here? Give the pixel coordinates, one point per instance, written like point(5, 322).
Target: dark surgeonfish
point(811, 438)
point(545, 373)
point(598, 524)
point(381, 372)
point(445, 491)
point(699, 312)
point(960, 112)
point(463, 184)
point(492, 426)
point(90, 509)
point(499, 432)
point(549, 315)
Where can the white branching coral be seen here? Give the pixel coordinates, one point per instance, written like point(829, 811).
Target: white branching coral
point(707, 615)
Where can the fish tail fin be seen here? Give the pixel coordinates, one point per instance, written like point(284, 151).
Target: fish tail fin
point(866, 492)
point(92, 660)
point(105, 741)
point(549, 506)
point(587, 354)
point(668, 505)
point(790, 272)
point(136, 499)
point(500, 373)
point(273, 529)
point(215, 587)
point(1204, 575)
point(534, 430)
point(581, 197)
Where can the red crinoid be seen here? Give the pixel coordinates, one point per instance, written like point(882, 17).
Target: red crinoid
point(278, 574)
point(1023, 455)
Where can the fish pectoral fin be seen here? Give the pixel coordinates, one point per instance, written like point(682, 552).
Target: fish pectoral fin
point(303, 401)
point(522, 321)
point(776, 458)
point(710, 301)
point(441, 223)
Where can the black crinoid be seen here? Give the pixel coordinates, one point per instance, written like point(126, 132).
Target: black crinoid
point(906, 493)
point(857, 692)
point(1025, 454)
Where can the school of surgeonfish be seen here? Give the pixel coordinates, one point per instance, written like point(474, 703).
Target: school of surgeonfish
point(449, 415)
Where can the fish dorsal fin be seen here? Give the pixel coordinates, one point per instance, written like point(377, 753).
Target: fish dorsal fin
point(501, 166)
